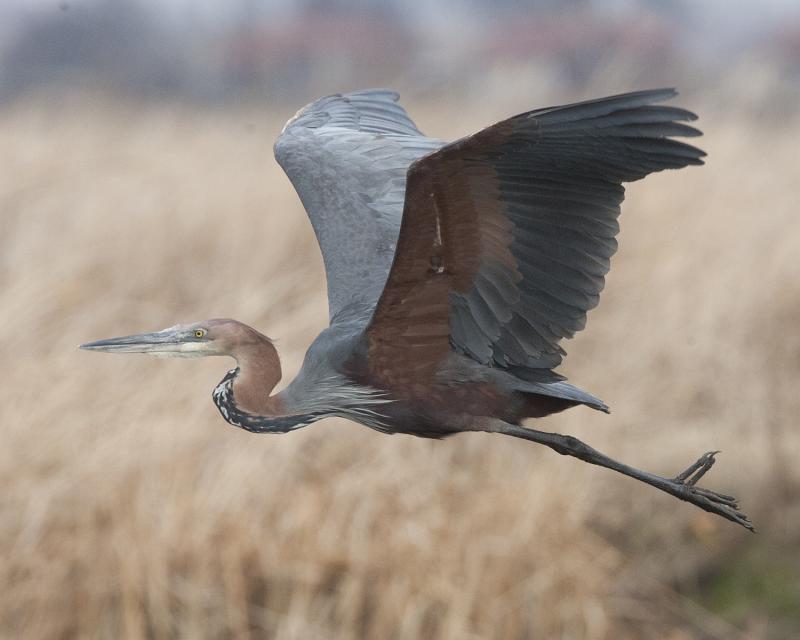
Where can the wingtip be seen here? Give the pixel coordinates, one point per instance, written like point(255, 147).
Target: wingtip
point(668, 92)
point(653, 95)
point(598, 405)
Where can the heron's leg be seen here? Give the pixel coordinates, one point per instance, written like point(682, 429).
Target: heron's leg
point(682, 486)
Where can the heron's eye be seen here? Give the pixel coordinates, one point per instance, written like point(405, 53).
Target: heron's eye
point(199, 333)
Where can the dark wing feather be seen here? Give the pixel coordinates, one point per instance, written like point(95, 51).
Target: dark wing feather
point(507, 234)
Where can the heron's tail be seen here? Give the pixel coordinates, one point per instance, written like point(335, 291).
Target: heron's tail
point(557, 387)
point(566, 391)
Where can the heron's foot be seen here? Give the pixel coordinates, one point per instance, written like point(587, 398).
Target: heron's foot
point(723, 505)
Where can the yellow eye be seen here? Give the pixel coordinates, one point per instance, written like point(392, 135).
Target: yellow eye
point(199, 333)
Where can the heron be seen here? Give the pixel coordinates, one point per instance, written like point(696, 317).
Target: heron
point(454, 272)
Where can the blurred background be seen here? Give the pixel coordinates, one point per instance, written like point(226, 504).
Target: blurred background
point(138, 190)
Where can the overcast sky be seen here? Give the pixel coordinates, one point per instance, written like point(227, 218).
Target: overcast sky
point(715, 24)
point(744, 14)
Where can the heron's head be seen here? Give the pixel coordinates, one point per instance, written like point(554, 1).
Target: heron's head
point(218, 337)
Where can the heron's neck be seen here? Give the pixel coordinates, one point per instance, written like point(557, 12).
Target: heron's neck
point(259, 373)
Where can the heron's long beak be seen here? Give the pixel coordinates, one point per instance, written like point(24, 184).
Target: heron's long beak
point(169, 342)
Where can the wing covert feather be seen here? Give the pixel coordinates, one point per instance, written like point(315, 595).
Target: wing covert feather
point(347, 157)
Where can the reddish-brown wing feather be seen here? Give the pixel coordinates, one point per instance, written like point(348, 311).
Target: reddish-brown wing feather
point(447, 231)
point(507, 234)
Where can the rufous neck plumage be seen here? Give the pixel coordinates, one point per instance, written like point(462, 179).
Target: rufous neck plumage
point(259, 373)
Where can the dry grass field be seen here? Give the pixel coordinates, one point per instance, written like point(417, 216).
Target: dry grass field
point(129, 509)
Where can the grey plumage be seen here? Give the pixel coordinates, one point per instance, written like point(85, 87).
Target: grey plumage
point(347, 157)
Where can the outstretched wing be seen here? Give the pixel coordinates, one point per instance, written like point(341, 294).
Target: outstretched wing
point(347, 157)
point(507, 234)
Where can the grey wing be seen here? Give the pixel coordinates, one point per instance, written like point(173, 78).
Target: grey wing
point(347, 157)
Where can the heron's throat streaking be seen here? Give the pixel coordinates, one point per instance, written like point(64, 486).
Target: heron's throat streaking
point(267, 420)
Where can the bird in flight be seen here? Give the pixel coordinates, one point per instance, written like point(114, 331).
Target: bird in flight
point(454, 271)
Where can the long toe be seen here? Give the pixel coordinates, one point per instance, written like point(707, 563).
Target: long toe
point(717, 497)
point(721, 504)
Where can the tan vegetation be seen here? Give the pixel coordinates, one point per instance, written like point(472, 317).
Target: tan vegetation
point(130, 509)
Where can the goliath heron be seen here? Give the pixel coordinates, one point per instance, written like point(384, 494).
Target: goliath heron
point(454, 271)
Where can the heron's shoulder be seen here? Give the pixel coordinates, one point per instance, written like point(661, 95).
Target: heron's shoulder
point(335, 342)
point(327, 358)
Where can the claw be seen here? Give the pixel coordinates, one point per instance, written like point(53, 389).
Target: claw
point(713, 502)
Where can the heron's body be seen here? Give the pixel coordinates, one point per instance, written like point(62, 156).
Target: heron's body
point(337, 369)
point(454, 270)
